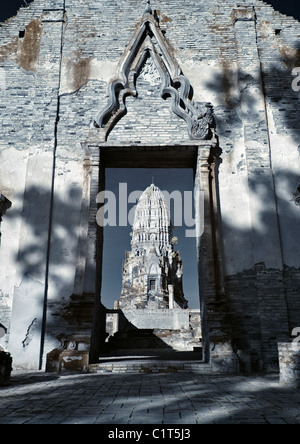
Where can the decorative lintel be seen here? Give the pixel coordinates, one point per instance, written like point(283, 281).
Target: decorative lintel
point(149, 41)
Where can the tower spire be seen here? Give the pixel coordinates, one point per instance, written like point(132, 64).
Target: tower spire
point(152, 264)
point(148, 9)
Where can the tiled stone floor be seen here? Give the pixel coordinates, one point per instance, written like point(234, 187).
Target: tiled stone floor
point(175, 398)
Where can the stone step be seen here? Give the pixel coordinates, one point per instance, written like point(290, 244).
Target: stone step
point(139, 366)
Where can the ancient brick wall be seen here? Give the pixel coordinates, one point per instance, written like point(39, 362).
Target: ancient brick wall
point(56, 61)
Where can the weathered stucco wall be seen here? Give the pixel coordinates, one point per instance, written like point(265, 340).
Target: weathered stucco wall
point(56, 61)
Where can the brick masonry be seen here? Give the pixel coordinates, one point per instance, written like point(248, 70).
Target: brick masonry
point(58, 58)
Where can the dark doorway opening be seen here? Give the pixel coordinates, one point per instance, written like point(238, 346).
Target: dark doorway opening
point(138, 158)
point(125, 182)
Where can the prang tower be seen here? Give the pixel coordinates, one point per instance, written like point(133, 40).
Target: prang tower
point(152, 270)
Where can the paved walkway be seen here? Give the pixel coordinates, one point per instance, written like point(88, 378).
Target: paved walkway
point(179, 398)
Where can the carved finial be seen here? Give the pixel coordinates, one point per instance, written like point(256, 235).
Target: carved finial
point(148, 9)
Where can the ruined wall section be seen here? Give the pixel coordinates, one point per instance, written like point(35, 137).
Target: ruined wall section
point(19, 51)
point(279, 46)
point(263, 287)
point(226, 44)
point(56, 61)
point(18, 66)
point(31, 57)
point(90, 54)
point(278, 43)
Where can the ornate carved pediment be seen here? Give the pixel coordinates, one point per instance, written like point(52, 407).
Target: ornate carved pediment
point(149, 41)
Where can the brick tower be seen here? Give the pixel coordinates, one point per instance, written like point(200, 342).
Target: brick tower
point(152, 271)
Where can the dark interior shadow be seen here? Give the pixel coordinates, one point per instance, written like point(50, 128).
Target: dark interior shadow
point(132, 343)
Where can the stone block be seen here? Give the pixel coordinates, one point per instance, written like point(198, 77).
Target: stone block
point(60, 361)
point(74, 361)
point(289, 363)
point(72, 357)
point(159, 319)
point(223, 359)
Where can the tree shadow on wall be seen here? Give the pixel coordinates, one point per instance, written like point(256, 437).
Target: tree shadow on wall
point(278, 83)
point(38, 216)
point(248, 308)
point(46, 264)
point(248, 319)
point(261, 306)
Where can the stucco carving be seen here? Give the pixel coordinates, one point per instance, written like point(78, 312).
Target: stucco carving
point(149, 41)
